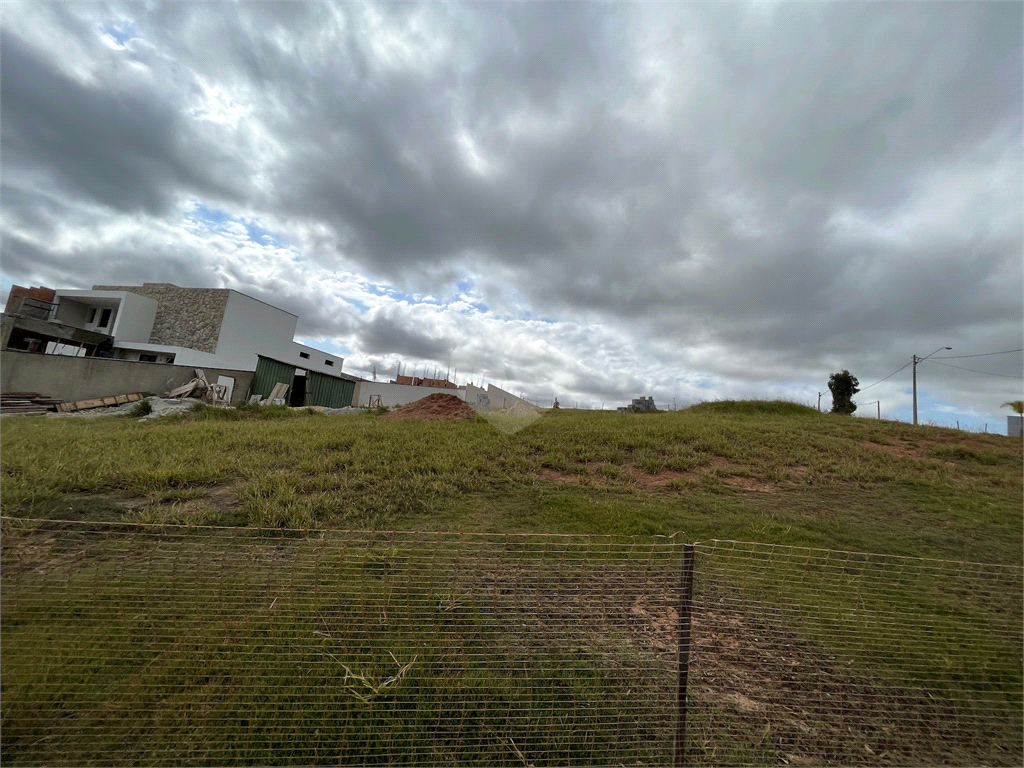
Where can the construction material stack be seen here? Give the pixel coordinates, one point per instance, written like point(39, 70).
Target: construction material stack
point(27, 402)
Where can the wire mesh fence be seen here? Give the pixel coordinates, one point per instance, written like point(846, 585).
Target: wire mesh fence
point(814, 657)
point(145, 645)
point(124, 644)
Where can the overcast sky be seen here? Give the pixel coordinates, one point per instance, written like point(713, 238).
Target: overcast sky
point(596, 201)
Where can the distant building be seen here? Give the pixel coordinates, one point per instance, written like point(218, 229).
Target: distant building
point(415, 381)
point(164, 323)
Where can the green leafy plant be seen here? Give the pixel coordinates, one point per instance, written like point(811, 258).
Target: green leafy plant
point(843, 386)
point(142, 408)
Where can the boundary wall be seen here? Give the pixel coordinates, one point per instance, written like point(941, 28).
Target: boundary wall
point(492, 398)
point(81, 378)
point(397, 394)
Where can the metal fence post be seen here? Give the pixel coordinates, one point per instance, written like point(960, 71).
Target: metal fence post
point(685, 609)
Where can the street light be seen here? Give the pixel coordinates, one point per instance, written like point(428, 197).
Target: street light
point(916, 361)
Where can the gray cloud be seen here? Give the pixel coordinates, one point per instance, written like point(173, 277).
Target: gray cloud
point(789, 185)
point(123, 148)
point(387, 333)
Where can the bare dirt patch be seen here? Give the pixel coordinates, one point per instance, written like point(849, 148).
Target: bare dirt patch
point(632, 475)
point(897, 447)
point(562, 478)
point(223, 496)
point(436, 407)
point(748, 484)
point(759, 683)
point(665, 477)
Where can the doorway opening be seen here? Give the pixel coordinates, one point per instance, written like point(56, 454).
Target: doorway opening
point(298, 396)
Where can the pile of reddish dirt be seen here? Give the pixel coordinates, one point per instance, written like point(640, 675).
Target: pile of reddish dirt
point(436, 407)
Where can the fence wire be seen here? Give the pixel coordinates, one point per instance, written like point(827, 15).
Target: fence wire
point(136, 645)
point(129, 645)
point(813, 657)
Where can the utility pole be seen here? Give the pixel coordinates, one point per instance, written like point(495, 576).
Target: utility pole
point(819, 402)
point(915, 388)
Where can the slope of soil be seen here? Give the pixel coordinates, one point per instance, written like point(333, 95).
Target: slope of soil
point(436, 407)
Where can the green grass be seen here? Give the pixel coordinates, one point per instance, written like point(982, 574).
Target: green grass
point(124, 630)
point(766, 471)
point(230, 650)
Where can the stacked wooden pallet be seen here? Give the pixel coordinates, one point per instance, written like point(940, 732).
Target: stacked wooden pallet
point(27, 402)
point(101, 402)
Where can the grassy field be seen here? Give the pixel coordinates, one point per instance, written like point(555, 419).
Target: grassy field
point(758, 471)
point(224, 647)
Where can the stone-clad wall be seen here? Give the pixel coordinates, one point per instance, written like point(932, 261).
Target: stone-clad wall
point(185, 317)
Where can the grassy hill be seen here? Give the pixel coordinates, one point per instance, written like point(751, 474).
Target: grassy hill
point(767, 471)
point(133, 645)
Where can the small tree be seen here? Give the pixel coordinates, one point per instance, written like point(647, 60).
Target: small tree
point(1017, 405)
point(843, 386)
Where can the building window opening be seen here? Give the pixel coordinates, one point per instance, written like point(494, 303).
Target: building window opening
point(304, 355)
point(144, 358)
point(328, 362)
point(104, 319)
point(92, 316)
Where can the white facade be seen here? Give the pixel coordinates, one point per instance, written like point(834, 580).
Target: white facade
point(249, 328)
point(126, 316)
point(492, 398)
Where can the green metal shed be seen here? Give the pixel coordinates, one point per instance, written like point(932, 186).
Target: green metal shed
point(328, 391)
point(268, 373)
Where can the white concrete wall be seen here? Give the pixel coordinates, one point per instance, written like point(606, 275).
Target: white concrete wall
point(134, 321)
point(79, 378)
point(398, 394)
point(182, 355)
point(253, 328)
point(501, 399)
point(71, 312)
point(478, 398)
point(1014, 425)
point(131, 317)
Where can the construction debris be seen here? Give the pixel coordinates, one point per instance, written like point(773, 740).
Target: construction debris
point(276, 394)
point(196, 388)
point(436, 407)
point(27, 402)
point(102, 402)
point(161, 406)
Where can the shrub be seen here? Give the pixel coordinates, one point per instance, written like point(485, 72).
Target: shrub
point(142, 408)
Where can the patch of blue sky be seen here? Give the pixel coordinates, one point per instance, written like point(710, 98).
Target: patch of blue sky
point(326, 345)
point(363, 308)
point(263, 236)
point(216, 219)
point(210, 215)
point(385, 290)
point(526, 314)
point(930, 411)
point(119, 33)
point(465, 285)
point(6, 283)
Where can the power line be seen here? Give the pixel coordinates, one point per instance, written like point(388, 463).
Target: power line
point(869, 386)
point(972, 370)
point(983, 354)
